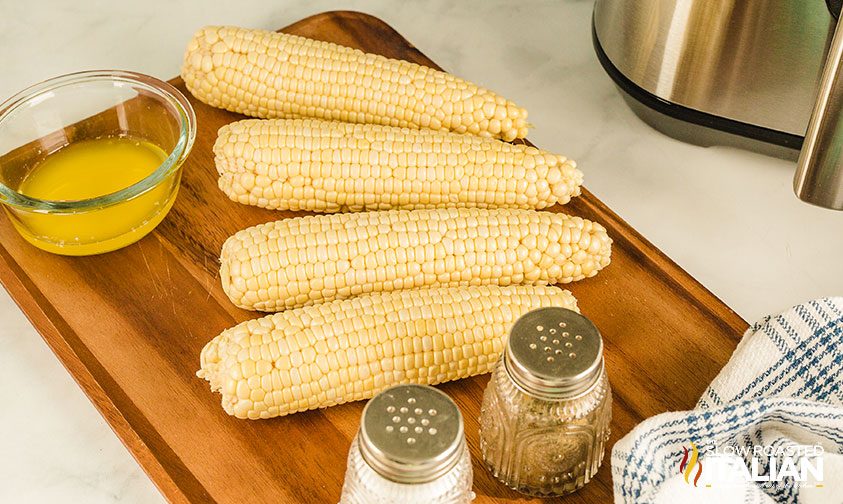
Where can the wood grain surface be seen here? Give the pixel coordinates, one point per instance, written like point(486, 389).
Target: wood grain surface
point(129, 326)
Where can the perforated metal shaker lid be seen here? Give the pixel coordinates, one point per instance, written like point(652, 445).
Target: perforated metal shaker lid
point(554, 353)
point(411, 434)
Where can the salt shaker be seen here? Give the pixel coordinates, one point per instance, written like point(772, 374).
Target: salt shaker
point(411, 449)
point(545, 417)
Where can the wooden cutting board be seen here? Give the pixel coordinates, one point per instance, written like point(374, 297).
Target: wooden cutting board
point(129, 326)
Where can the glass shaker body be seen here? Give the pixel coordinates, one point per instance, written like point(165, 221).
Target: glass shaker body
point(544, 427)
point(410, 449)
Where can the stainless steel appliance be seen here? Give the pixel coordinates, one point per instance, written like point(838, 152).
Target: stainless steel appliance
point(756, 74)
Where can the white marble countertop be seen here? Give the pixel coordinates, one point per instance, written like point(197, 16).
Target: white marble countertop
point(726, 216)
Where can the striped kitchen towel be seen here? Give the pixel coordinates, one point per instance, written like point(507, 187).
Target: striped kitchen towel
point(769, 428)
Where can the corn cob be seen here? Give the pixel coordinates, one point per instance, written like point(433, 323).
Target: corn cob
point(296, 262)
point(347, 350)
point(327, 166)
point(268, 74)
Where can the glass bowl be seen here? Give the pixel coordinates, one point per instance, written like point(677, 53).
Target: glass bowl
point(81, 107)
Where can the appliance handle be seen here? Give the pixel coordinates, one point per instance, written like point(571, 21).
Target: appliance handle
point(819, 174)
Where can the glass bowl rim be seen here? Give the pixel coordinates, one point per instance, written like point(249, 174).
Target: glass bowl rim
point(163, 90)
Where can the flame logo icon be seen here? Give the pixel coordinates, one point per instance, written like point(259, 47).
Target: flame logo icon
point(686, 467)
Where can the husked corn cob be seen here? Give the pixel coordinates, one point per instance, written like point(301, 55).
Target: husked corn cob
point(267, 74)
point(329, 166)
point(296, 262)
point(347, 350)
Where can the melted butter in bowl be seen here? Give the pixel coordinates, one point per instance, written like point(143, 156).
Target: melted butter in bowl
point(115, 142)
point(91, 169)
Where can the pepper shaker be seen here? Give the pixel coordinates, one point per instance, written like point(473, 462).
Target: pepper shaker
point(546, 411)
point(411, 449)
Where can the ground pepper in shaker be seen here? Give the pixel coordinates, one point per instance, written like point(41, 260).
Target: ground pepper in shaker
point(410, 449)
point(545, 417)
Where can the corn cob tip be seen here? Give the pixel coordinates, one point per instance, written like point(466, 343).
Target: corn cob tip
point(208, 363)
point(191, 69)
point(234, 285)
point(225, 276)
